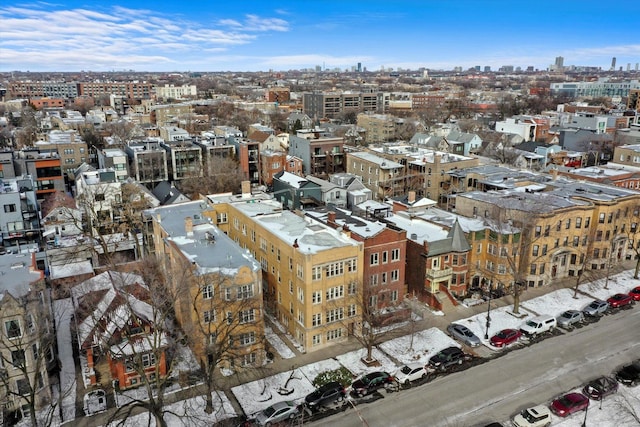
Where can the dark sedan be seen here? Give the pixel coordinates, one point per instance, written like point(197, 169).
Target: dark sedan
point(599, 388)
point(629, 375)
point(569, 403)
point(328, 393)
point(371, 382)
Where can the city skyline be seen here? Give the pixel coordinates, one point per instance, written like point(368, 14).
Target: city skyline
point(165, 36)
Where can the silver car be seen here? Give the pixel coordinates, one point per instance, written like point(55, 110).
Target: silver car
point(570, 317)
point(276, 413)
point(596, 308)
point(462, 333)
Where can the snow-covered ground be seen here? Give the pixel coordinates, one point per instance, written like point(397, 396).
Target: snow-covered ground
point(189, 413)
point(420, 347)
point(277, 344)
point(62, 310)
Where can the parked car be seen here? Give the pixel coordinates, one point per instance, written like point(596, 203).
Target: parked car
point(464, 334)
point(596, 308)
point(538, 325)
point(276, 413)
point(328, 393)
point(570, 317)
point(537, 416)
point(629, 375)
point(505, 337)
point(620, 300)
point(410, 372)
point(371, 382)
point(569, 404)
point(447, 357)
point(635, 293)
point(599, 388)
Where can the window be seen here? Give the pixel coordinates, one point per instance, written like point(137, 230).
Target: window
point(384, 278)
point(17, 358)
point(316, 297)
point(207, 292)
point(209, 316)
point(290, 287)
point(148, 360)
point(229, 317)
point(576, 241)
point(395, 275)
point(538, 231)
point(245, 291)
point(30, 324)
point(385, 257)
point(352, 265)
point(9, 208)
point(351, 310)
point(502, 269)
point(335, 269)
point(578, 222)
point(301, 316)
point(587, 221)
point(252, 234)
point(247, 339)
point(335, 315)
point(352, 288)
point(249, 359)
point(395, 255)
point(394, 296)
point(99, 197)
point(547, 229)
point(301, 295)
point(334, 334)
point(300, 271)
point(12, 328)
point(263, 244)
point(373, 280)
point(536, 248)
point(374, 259)
point(533, 269)
point(601, 218)
point(227, 294)
point(316, 273)
point(22, 385)
point(335, 292)
point(316, 340)
point(247, 316)
point(316, 319)
point(568, 224)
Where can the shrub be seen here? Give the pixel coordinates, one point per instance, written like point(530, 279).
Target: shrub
point(342, 375)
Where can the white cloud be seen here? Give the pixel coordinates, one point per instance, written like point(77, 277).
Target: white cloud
point(43, 36)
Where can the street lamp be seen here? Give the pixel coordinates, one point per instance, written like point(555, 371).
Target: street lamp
point(584, 422)
point(486, 333)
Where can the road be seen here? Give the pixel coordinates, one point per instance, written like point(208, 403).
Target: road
point(498, 389)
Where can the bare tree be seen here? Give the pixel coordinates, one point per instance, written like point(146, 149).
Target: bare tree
point(221, 175)
point(630, 230)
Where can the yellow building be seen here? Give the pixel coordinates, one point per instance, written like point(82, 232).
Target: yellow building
point(537, 237)
point(218, 287)
point(312, 274)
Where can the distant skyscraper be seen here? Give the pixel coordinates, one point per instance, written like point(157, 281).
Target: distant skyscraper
point(613, 63)
point(487, 69)
point(559, 62)
point(477, 68)
point(359, 67)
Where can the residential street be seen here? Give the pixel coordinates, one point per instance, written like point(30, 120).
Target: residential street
point(500, 388)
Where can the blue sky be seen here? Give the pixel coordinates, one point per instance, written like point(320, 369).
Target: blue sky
point(199, 35)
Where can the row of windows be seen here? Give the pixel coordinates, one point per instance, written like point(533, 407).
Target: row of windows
point(244, 316)
point(241, 292)
point(331, 335)
point(374, 259)
point(332, 269)
point(384, 278)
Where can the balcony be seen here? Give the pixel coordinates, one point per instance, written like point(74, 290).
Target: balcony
point(438, 274)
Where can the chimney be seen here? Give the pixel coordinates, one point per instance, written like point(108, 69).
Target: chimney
point(346, 231)
point(246, 188)
point(554, 173)
point(331, 219)
point(412, 196)
point(159, 218)
point(188, 226)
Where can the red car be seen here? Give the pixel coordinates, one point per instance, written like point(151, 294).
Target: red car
point(505, 337)
point(569, 403)
point(619, 300)
point(635, 293)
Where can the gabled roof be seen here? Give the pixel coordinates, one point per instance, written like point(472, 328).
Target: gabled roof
point(455, 136)
point(59, 199)
point(104, 304)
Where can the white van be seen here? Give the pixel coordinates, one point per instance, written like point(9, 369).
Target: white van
point(538, 325)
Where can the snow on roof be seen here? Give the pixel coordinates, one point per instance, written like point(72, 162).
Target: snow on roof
point(417, 228)
point(70, 269)
point(293, 180)
point(310, 236)
point(138, 346)
point(16, 274)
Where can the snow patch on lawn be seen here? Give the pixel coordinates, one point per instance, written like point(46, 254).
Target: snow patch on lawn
point(277, 344)
point(353, 362)
point(419, 349)
point(557, 302)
